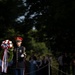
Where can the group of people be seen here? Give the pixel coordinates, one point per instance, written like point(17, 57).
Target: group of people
point(42, 66)
point(38, 65)
point(33, 66)
point(17, 65)
point(66, 64)
point(20, 66)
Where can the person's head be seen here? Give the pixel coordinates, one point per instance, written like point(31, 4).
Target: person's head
point(19, 41)
point(39, 57)
point(43, 57)
point(65, 54)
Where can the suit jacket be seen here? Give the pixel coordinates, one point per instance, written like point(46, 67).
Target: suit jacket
point(19, 57)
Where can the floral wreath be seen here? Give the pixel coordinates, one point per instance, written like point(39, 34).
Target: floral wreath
point(7, 44)
point(7, 54)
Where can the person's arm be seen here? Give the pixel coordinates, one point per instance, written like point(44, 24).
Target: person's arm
point(23, 54)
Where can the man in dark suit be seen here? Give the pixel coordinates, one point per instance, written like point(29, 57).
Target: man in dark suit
point(19, 57)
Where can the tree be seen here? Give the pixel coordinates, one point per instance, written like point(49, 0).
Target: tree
point(53, 19)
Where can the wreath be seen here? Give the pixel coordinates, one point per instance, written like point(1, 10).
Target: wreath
point(7, 44)
point(6, 54)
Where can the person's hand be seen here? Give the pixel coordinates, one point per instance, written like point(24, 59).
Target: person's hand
point(22, 55)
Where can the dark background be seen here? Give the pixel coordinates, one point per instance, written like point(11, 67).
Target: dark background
point(54, 22)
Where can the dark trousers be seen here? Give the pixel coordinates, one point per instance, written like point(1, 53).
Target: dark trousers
point(19, 71)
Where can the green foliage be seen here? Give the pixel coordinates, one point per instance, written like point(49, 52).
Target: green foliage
point(54, 21)
point(38, 48)
point(10, 57)
point(11, 34)
point(34, 45)
point(10, 54)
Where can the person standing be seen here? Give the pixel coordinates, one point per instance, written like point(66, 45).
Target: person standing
point(19, 57)
point(66, 63)
point(60, 62)
point(39, 65)
point(33, 65)
point(45, 62)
